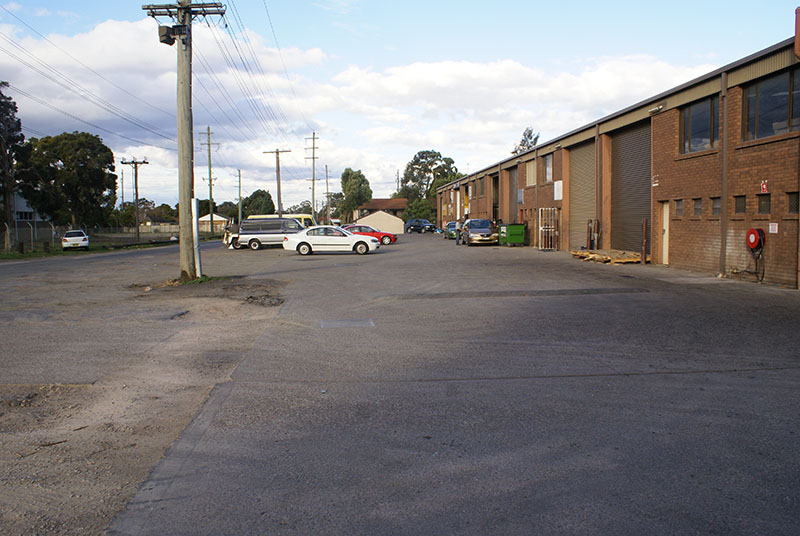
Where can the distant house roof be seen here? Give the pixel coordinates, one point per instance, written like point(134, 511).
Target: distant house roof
point(399, 203)
point(217, 217)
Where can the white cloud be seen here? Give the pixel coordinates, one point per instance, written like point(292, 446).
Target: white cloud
point(340, 7)
point(368, 119)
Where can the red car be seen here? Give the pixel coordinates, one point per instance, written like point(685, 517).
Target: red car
point(358, 228)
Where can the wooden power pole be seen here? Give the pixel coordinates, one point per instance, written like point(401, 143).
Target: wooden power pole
point(182, 13)
point(278, 174)
point(135, 163)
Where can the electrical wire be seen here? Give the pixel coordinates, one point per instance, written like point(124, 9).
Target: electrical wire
point(280, 55)
point(31, 28)
point(70, 85)
point(76, 118)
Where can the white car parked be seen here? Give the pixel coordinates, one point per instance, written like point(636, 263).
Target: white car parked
point(323, 238)
point(75, 239)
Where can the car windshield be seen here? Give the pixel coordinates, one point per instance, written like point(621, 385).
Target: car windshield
point(474, 224)
point(72, 234)
point(451, 225)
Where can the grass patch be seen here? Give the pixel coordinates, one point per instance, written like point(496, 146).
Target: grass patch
point(198, 281)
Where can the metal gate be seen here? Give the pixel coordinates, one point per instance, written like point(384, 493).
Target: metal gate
point(548, 229)
point(630, 186)
point(581, 192)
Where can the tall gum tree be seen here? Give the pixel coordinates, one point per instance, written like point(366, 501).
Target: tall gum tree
point(69, 178)
point(11, 140)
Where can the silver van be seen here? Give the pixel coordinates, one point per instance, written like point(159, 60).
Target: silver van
point(254, 233)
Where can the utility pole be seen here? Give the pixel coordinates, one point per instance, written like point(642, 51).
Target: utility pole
point(313, 158)
point(183, 12)
point(328, 194)
point(210, 183)
point(122, 187)
point(135, 163)
point(278, 175)
point(398, 180)
point(240, 196)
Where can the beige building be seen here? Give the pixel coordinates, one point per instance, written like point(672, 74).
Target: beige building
point(383, 221)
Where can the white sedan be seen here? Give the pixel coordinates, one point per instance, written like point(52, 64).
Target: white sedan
point(324, 238)
point(76, 239)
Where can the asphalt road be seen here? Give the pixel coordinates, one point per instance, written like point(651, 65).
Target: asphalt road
point(430, 389)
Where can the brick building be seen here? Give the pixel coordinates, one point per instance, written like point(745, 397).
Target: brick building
point(689, 171)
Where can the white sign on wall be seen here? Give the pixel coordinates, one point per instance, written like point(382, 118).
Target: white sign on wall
point(773, 228)
point(557, 191)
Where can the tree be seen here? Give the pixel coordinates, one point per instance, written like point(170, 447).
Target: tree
point(427, 171)
point(303, 208)
point(202, 206)
point(335, 201)
point(259, 202)
point(126, 217)
point(11, 139)
point(356, 191)
point(229, 209)
point(420, 208)
point(69, 178)
point(528, 141)
point(164, 212)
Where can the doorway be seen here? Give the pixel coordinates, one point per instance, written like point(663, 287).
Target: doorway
point(664, 232)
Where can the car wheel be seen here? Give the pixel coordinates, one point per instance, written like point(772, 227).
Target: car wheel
point(386, 240)
point(304, 249)
point(254, 244)
point(361, 248)
point(235, 243)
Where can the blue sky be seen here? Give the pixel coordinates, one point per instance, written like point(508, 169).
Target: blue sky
point(377, 81)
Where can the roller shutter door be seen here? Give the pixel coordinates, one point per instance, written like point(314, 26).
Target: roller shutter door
point(630, 186)
point(581, 192)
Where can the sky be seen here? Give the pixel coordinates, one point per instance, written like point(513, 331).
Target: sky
point(375, 81)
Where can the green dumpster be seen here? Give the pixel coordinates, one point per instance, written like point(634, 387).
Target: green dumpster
point(512, 234)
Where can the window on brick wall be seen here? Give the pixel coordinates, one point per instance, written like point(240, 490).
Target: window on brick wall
point(698, 206)
point(548, 168)
point(739, 204)
point(482, 182)
point(792, 203)
point(700, 125)
point(678, 208)
point(764, 203)
point(772, 105)
point(715, 206)
point(530, 173)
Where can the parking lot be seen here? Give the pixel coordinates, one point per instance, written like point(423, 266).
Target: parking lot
point(426, 388)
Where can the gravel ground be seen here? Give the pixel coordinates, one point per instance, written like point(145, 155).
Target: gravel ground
point(104, 365)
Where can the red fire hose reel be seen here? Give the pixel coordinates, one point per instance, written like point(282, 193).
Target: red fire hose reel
point(755, 239)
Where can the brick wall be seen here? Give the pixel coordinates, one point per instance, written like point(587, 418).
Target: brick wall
point(695, 241)
point(774, 160)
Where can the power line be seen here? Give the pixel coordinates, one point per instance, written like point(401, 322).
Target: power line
point(70, 85)
point(31, 28)
point(76, 118)
point(280, 55)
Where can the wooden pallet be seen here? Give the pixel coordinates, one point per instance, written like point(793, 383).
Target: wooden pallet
point(609, 256)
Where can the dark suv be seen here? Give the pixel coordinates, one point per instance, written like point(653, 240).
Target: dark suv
point(417, 225)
